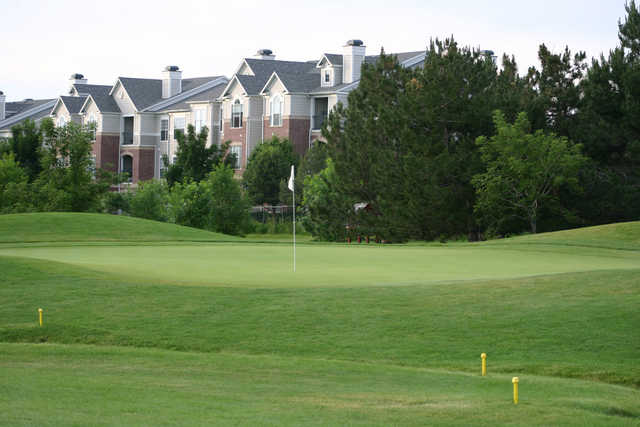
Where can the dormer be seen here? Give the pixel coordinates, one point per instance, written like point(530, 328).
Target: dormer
point(330, 70)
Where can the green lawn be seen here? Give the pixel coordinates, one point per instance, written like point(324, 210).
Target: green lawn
point(365, 335)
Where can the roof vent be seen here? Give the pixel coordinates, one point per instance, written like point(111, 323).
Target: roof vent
point(76, 76)
point(28, 100)
point(355, 42)
point(265, 54)
point(172, 68)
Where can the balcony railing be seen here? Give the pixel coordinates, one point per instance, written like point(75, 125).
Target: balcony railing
point(318, 121)
point(127, 138)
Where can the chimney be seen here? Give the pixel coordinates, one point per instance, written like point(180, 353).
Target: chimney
point(265, 54)
point(2, 110)
point(76, 79)
point(352, 58)
point(171, 81)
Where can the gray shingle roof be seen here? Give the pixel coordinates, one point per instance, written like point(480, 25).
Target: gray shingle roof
point(143, 92)
point(87, 89)
point(73, 103)
point(17, 107)
point(100, 95)
point(34, 109)
point(402, 56)
point(334, 58)
point(206, 96)
point(263, 69)
point(146, 92)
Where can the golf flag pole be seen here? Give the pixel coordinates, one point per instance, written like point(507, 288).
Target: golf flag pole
point(292, 188)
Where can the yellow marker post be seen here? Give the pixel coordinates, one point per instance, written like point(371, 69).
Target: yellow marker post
point(484, 364)
point(515, 381)
point(40, 316)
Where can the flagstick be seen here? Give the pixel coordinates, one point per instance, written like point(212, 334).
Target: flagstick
point(294, 230)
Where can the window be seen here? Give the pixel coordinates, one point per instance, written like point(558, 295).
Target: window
point(236, 114)
point(276, 111)
point(327, 76)
point(92, 125)
point(178, 126)
point(236, 150)
point(199, 120)
point(61, 121)
point(164, 129)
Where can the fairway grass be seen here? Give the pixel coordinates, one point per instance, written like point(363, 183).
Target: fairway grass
point(59, 385)
point(168, 325)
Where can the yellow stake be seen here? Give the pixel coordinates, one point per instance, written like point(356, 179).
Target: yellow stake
point(484, 364)
point(515, 381)
point(40, 315)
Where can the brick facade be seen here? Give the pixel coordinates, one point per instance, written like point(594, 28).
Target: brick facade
point(295, 129)
point(143, 162)
point(106, 148)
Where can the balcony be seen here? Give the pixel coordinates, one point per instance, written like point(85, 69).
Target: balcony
point(127, 138)
point(321, 110)
point(318, 121)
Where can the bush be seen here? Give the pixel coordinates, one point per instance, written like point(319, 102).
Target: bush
point(150, 201)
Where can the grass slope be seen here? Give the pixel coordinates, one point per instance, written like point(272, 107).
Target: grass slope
point(85, 227)
point(359, 335)
point(54, 385)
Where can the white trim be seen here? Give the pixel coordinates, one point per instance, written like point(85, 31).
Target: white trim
point(184, 95)
point(28, 113)
point(228, 86)
point(274, 74)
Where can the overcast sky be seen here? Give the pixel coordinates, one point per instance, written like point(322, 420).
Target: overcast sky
point(44, 42)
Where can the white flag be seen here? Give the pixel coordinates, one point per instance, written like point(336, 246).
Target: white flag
point(291, 179)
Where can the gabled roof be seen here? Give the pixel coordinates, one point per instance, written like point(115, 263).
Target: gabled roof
point(294, 83)
point(147, 92)
point(264, 68)
point(333, 59)
point(73, 104)
point(208, 95)
point(190, 89)
point(104, 103)
point(33, 109)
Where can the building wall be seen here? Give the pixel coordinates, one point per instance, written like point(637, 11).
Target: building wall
point(110, 123)
point(124, 102)
point(297, 105)
point(105, 149)
point(143, 162)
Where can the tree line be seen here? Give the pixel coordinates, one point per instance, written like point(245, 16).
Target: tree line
point(457, 147)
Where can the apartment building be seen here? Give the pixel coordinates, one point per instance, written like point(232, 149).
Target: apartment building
point(136, 120)
point(290, 99)
point(12, 113)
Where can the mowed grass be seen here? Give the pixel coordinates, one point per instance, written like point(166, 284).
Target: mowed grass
point(58, 227)
point(116, 386)
point(359, 335)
